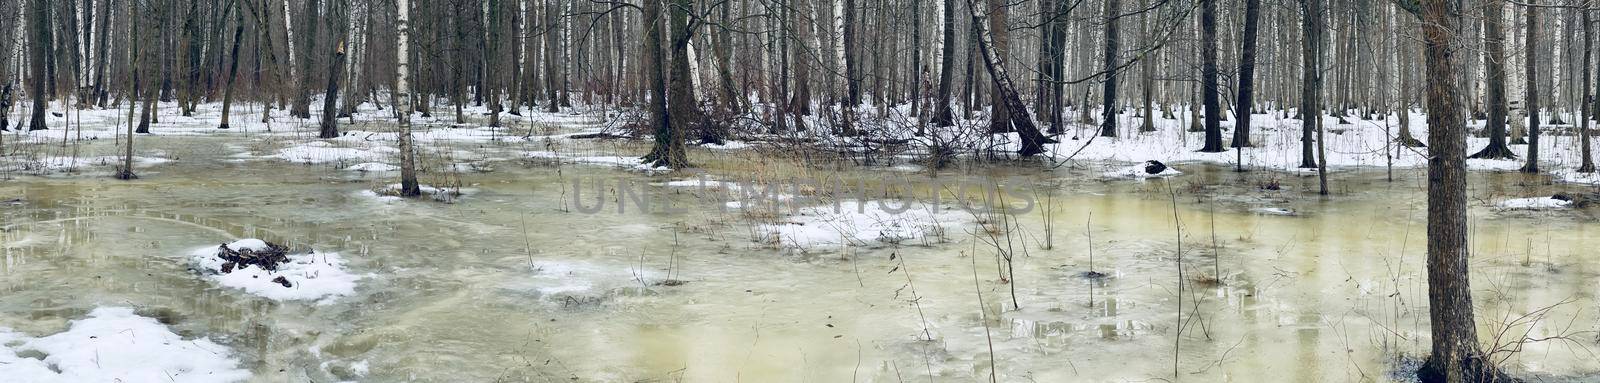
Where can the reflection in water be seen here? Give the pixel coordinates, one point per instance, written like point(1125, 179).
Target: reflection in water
point(510, 284)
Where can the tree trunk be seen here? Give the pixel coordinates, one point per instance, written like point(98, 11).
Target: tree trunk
point(402, 100)
point(552, 49)
point(1247, 73)
point(1494, 53)
point(132, 88)
point(1108, 117)
point(683, 107)
point(308, 49)
point(103, 51)
point(669, 150)
point(852, 58)
point(1530, 94)
point(1311, 79)
point(723, 49)
point(233, 67)
point(491, 77)
point(1208, 76)
point(1455, 356)
point(40, 23)
point(996, 35)
point(1587, 105)
point(1017, 114)
point(943, 116)
point(339, 19)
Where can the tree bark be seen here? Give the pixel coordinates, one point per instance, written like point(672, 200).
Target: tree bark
point(1587, 105)
point(402, 100)
point(233, 67)
point(1455, 356)
point(1247, 73)
point(308, 50)
point(1531, 91)
point(552, 49)
point(1017, 114)
point(1208, 77)
point(997, 44)
point(1494, 53)
point(668, 150)
point(339, 19)
point(1108, 117)
point(1311, 79)
point(39, 21)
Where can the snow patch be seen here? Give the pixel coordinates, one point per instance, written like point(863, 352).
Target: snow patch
point(312, 276)
point(1536, 203)
point(1272, 211)
point(113, 344)
point(861, 223)
point(318, 152)
point(1137, 172)
point(373, 167)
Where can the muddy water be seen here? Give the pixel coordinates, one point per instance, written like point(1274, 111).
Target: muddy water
point(512, 283)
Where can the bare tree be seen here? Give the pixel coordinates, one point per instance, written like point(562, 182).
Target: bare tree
point(1456, 356)
point(1210, 94)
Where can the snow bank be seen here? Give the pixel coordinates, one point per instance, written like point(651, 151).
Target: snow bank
point(114, 345)
point(861, 223)
point(319, 277)
point(1536, 203)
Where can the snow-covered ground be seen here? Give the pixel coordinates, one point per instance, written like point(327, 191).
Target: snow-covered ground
point(368, 143)
point(113, 344)
point(312, 276)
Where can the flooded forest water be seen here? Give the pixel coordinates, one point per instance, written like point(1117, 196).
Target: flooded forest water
point(512, 283)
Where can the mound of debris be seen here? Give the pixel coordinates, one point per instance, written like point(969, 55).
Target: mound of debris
point(266, 255)
point(270, 270)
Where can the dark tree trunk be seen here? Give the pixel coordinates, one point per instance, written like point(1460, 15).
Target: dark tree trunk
point(339, 19)
point(669, 150)
point(1017, 114)
point(1311, 79)
point(1210, 95)
point(102, 50)
point(852, 64)
point(1531, 91)
point(233, 69)
point(493, 62)
point(1587, 108)
point(1456, 356)
point(1247, 73)
point(997, 44)
point(1108, 117)
point(724, 51)
point(800, 58)
point(682, 105)
point(1494, 57)
point(39, 46)
point(552, 49)
point(308, 49)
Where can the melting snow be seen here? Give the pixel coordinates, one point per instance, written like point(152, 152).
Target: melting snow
point(114, 345)
point(312, 276)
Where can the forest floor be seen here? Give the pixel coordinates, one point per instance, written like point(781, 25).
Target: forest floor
point(367, 141)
